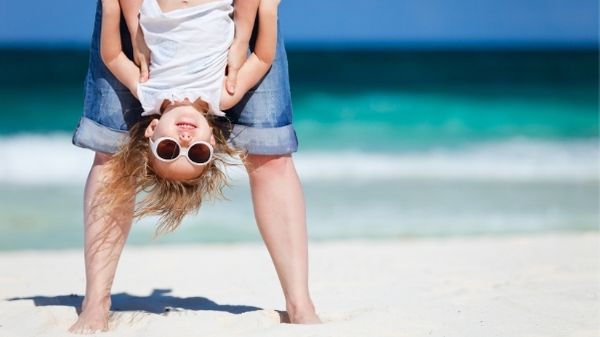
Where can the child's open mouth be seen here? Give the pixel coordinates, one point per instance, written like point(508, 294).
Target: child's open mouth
point(185, 125)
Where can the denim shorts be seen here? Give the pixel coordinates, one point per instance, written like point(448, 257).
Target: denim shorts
point(262, 121)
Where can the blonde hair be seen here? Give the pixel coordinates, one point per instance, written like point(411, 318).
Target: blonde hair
point(130, 172)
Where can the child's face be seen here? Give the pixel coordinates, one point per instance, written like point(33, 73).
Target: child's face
point(186, 124)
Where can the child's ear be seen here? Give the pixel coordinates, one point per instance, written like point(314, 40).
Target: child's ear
point(151, 128)
point(213, 141)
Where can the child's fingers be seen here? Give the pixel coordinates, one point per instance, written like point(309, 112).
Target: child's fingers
point(144, 73)
point(231, 80)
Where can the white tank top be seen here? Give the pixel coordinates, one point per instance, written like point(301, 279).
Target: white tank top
point(188, 53)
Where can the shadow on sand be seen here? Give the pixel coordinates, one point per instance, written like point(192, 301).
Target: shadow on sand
point(158, 302)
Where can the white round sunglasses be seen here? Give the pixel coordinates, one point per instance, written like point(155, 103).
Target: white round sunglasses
point(168, 149)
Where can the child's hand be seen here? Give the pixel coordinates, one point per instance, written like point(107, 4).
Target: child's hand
point(110, 6)
point(269, 4)
point(236, 57)
point(141, 54)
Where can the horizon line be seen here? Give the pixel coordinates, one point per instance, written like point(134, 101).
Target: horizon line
point(357, 45)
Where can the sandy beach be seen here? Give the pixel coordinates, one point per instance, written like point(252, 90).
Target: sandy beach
point(541, 285)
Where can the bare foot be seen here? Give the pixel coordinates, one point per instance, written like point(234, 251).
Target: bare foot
point(89, 323)
point(92, 319)
point(306, 318)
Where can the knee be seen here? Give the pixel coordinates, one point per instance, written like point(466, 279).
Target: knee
point(269, 165)
point(101, 158)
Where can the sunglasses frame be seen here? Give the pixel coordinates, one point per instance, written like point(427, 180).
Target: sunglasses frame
point(183, 151)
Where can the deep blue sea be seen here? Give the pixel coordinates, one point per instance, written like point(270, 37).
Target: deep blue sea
point(393, 144)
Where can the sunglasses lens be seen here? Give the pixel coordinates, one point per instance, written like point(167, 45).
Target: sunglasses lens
point(167, 149)
point(199, 153)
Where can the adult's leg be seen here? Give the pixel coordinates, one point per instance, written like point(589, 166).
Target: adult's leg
point(109, 109)
point(104, 240)
point(281, 218)
point(263, 127)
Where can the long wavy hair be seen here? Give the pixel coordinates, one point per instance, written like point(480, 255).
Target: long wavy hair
point(130, 174)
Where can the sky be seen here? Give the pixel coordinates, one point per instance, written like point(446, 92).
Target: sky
point(332, 22)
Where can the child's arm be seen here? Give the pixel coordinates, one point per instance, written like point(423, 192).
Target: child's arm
point(111, 50)
point(244, 15)
point(259, 62)
point(131, 9)
point(141, 54)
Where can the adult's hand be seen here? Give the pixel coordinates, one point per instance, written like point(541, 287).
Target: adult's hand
point(141, 54)
point(238, 52)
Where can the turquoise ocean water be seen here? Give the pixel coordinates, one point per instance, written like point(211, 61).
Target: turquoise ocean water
point(392, 144)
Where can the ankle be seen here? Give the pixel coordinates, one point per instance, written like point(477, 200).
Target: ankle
point(302, 306)
point(101, 303)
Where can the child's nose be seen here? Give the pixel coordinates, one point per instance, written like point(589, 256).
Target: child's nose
point(185, 138)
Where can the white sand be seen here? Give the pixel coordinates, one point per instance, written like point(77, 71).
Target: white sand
point(482, 287)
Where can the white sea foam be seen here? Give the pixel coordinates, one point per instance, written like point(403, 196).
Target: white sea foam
point(51, 159)
point(516, 159)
